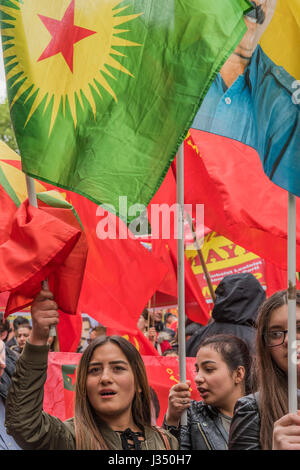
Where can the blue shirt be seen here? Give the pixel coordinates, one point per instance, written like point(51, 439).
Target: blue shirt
point(6, 442)
point(258, 110)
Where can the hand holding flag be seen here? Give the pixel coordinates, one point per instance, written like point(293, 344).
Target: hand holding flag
point(44, 314)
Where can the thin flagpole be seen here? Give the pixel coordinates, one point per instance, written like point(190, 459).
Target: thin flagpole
point(33, 202)
point(180, 271)
point(292, 340)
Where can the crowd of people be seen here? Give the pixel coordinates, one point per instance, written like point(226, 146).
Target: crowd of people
point(241, 374)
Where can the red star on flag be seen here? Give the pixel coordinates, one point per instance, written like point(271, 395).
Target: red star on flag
point(64, 35)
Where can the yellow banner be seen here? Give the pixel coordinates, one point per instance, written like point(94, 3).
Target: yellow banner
point(281, 40)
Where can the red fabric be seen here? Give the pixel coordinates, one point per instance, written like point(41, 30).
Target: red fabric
point(162, 372)
point(69, 331)
point(138, 339)
point(174, 325)
point(240, 201)
point(7, 211)
point(66, 281)
point(38, 244)
point(195, 305)
point(121, 275)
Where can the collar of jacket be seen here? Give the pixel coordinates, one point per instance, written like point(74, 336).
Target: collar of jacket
point(113, 439)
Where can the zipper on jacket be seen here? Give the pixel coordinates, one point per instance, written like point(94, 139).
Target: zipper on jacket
point(204, 437)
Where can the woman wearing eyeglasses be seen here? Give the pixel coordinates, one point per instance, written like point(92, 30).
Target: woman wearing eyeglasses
point(256, 416)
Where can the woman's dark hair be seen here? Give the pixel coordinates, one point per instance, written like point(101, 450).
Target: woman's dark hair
point(272, 381)
point(88, 435)
point(4, 325)
point(155, 402)
point(234, 352)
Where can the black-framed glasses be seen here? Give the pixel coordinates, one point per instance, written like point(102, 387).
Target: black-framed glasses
point(275, 338)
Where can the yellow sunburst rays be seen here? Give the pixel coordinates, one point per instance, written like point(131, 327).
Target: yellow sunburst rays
point(51, 81)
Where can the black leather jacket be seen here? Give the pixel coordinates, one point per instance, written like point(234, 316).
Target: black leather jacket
point(204, 430)
point(245, 425)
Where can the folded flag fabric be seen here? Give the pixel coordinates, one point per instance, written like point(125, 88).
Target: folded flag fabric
point(39, 245)
point(103, 93)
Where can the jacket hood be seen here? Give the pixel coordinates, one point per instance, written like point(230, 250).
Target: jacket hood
point(238, 298)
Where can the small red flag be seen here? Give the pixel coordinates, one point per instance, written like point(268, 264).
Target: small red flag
point(38, 245)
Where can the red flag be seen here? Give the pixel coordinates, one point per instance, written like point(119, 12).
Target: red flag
point(69, 331)
point(240, 202)
point(121, 275)
point(7, 211)
point(162, 372)
point(164, 244)
point(138, 339)
point(38, 244)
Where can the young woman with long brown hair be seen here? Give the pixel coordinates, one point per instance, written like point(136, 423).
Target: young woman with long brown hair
point(256, 415)
point(112, 404)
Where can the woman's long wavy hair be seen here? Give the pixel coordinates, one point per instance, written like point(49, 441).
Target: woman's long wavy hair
point(272, 382)
point(87, 433)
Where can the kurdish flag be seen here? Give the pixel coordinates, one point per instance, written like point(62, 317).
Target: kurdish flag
point(103, 92)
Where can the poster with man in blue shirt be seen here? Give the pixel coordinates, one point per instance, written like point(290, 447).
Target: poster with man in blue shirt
point(253, 100)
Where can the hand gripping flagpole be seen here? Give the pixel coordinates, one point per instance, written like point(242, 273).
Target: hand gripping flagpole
point(33, 202)
point(292, 339)
point(180, 271)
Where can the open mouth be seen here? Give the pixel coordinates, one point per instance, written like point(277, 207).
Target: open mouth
point(203, 392)
point(107, 393)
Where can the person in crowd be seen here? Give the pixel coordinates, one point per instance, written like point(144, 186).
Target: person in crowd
point(4, 328)
point(191, 328)
point(169, 320)
point(21, 335)
point(257, 414)
point(170, 352)
point(156, 319)
point(112, 398)
point(142, 323)
point(85, 331)
point(223, 375)
point(7, 366)
point(238, 298)
point(153, 328)
point(97, 331)
point(18, 321)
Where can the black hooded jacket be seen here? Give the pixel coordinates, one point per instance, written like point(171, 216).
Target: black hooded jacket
point(238, 298)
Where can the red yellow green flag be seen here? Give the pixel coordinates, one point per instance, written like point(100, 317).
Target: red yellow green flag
point(102, 93)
